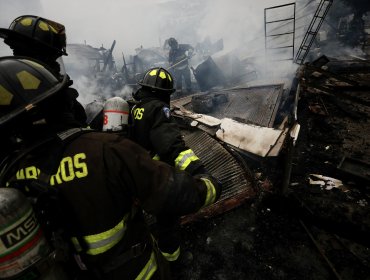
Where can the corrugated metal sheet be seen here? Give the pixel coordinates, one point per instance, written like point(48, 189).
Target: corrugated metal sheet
point(256, 105)
point(227, 167)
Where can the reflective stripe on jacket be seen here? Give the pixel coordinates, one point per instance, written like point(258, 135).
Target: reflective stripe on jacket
point(211, 192)
point(160, 134)
point(101, 177)
point(101, 242)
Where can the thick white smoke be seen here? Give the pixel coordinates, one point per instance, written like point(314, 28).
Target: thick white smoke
point(148, 23)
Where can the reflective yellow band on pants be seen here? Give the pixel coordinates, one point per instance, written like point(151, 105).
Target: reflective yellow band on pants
point(171, 257)
point(149, 269)
point(102, 242)
point(184, 159)
point(211, 192)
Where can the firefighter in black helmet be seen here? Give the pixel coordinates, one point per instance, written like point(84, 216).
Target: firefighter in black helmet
point(155, 130)
point(178, 58)
point(102, 180)
point(44, 40)
point(94, 114)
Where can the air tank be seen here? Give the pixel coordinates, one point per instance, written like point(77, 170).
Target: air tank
point(116, 113)
point(22, 243)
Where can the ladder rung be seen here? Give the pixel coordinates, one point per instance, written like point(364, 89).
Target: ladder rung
point(307, 41)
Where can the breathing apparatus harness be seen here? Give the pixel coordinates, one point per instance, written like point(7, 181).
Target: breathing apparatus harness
point(44, 198)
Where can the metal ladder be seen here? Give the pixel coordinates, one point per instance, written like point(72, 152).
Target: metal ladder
point(271, 36)
point(312, 30)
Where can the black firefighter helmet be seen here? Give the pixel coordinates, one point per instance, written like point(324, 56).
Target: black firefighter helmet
point(24, 83)
point(35, 32)
point(159, 80)
point(172, 42)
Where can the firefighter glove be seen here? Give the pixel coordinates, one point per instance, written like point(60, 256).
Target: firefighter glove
point(212, 188)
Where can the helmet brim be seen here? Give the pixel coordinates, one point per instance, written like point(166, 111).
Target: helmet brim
point(169, 91)
point(26, 107)
point(11, 36)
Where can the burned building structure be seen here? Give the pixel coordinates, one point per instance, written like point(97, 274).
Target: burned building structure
point(291, 151)
point(290, 154)
point(291, 181)
point(96, 64)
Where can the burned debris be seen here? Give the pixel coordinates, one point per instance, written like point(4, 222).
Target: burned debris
point(291, 148)
point(305, 144)
point(97, 66)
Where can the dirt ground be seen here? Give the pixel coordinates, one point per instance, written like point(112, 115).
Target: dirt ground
point(312, 231)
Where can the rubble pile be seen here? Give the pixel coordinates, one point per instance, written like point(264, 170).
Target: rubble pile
point(319, 227)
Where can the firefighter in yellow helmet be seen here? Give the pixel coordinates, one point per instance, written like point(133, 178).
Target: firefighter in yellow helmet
point(44, 40)
point(100, 182)
point(155, 130)
point(153, 126)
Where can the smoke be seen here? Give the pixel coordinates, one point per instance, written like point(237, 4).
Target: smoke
point(97, 23)
point(92, 89)
point(148, 23)
point(11, 9)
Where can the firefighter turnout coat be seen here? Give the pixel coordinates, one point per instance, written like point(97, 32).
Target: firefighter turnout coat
point(178, 57)
point(155, 130)
point(104, 181)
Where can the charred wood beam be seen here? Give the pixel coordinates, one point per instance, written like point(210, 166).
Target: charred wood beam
point(345, 219)
point(310, 69)
point(345, 245)
point(355, 169)
point(339, 91)
point(352, 67)
point(351, 88)
point(219, 207)
point(321, 251)
point(323, 89)
point(287, 169)
point(345, 89)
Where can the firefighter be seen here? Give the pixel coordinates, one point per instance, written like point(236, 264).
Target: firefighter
point(178, 59)
point(94, 114)
point(155, 130)
point(101, 180)
point(44, 40)
point(152, 125)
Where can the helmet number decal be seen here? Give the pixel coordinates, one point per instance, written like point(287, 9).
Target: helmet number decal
point(138, 113)
point(105, 121)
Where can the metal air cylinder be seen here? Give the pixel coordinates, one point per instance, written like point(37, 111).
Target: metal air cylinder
point(22, 243)
point(116, 113)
